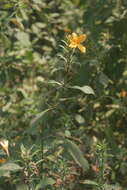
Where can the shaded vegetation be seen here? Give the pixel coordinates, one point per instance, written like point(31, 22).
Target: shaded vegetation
point(63, 110)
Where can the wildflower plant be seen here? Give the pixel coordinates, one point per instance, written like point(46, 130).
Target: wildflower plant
point(69, 46)
point(102, 157)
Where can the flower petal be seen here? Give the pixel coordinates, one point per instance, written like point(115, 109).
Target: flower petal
point(74, 35)
point(4, 145)
point(2, 160)
point(72, 45)
point(82, 38)
point(75, 41)
point(82, 48)
point(69, 37)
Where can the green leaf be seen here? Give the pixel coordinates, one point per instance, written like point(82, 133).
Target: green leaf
point(76, 154)
point(5, 40)
point(23, 92)
point(45, 182)
point(111, 187)
point(23, 39)
point(6, 168)
point(55, 82)
point(79, 119)
point(111, 139)
point(23, 149)
point(85, 89)
point(4, 173)
point(10, 167)
point(103, 79)
point(18, 22)
point(38, 118)
point(89, 182)
point(62, 58)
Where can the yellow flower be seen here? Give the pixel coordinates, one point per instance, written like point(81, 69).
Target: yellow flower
point(4, 145)
point(75, 41)
point(2, 160)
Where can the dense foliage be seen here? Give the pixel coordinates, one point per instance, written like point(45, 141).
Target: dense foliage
point(63, 110)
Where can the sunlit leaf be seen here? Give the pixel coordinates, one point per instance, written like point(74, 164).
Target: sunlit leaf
point(85, 89)
point(79, 119)
point(23, 38)
point(10, 167)
point(89, 182)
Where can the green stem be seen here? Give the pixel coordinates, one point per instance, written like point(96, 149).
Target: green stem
point(70, 61)
point(42, 151)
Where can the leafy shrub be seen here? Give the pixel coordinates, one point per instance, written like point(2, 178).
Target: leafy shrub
point(59, 103)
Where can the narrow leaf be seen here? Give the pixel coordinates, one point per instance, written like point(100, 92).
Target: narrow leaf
point(55, 82)
point(85, 89)
point(89, 182)
point(38, 118)
point(76, 154)
point(103, 79)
